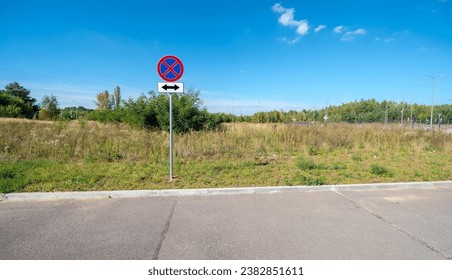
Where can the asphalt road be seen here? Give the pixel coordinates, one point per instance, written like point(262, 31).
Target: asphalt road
point(365, 224)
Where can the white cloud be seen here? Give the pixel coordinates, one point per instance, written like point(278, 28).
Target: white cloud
point(339, 29)
point(287, 18)
point(348, 36)
point(319, 28)
point(289, 41)
point(387, 40)
point(277, 8)
point(303, 27)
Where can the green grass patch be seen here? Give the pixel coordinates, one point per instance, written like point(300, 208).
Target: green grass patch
point(309, 164)
point(380, 170)
point(357, 158)
point(16, 176)
point(310, 181)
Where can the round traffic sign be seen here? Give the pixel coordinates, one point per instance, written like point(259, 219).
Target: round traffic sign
point(170, 68)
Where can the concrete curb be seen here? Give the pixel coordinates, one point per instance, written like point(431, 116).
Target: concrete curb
point(219, 191)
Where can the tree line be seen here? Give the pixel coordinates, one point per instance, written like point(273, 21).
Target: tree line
point(151, 111)
point(363, 111)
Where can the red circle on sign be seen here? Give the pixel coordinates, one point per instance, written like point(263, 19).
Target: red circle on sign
point(170, 68)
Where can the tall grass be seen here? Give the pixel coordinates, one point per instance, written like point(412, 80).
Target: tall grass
point(92, 141)
point(79, 156)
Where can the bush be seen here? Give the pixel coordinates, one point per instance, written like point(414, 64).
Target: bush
point(152, 112)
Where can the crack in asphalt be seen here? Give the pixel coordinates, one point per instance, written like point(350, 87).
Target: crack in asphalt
point(414, 237)
point(155, 255)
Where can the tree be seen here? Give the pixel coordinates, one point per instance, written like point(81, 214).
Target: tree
point(15, 89)
point(117, 97)
point(104, 102)
point(10, 106)
point(49, 108)
point(15, 101)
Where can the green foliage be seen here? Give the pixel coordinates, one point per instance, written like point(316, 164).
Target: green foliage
point(15, 176)
point(11, 107)
point(50, 110)
point(339, 166)
point(151, 111)
point(309, 164)
point(271, 117)
point(16, 90)
point(105, 116)
point(309, 181)
point(357, 158)
point(15, 102)
point(72, 113)
point(105, 101)
point(380, 170)
point(360, 111)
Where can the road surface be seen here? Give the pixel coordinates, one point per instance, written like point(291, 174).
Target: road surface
point(350, 224)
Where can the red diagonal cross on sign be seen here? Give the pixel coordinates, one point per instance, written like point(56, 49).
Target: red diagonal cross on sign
point(169, 72)
point(170, 68)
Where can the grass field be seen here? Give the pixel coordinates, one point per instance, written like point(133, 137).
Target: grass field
point(82, 156)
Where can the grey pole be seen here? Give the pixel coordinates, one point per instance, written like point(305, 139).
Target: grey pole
point(433, 94)
point(386, 114)
point(439, 120)
point(171, 136)
point(411, 117)
point(401, 119)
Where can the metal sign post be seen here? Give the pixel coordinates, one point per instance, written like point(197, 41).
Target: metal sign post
point(170, 69)
point(171, 135)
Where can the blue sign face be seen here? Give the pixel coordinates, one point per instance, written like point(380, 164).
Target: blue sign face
point(170, 68)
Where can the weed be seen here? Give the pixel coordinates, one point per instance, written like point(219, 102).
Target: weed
point(309, 164)
point(310, 181)
point(306, 164)
point(380, 170)
point(357, 158)
point(313, 150)
point(287, 182)
point(362, 145)
point(339, 166)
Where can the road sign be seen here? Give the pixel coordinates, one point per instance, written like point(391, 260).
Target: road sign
point(170, 87)
point(170, 68)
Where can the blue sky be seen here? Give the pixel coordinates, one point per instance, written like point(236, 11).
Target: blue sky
point(244, 56)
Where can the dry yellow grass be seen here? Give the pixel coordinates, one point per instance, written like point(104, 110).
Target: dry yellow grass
point(241, 154)
point(78, 140)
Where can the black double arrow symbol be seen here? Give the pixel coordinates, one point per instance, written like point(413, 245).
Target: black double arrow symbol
point(167, 87)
